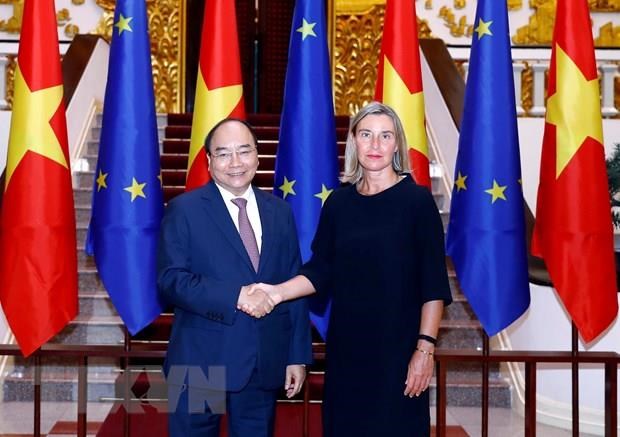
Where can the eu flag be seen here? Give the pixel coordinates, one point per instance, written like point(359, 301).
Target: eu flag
point(307, 161)
point(486, 235)
point(127, 195)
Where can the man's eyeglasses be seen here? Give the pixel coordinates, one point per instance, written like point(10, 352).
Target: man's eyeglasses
point(224, 156)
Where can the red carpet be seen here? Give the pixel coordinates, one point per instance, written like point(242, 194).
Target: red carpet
point(289, 422)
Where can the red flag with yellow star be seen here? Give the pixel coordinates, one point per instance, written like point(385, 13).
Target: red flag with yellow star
point(573, 231)
point(219, 87)
point(38, 265)
point(399, 81)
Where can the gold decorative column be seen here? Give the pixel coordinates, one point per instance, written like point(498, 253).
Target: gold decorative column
point(167, 31)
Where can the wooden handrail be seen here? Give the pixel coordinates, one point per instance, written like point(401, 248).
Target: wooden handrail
point(443, 357)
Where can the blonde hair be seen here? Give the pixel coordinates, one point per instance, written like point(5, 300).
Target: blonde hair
point(353, 171)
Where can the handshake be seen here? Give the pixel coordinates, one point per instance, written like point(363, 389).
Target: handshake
point(258, 300)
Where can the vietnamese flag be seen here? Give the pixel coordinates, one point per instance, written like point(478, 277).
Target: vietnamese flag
point(219, 88)
point(38, 265)
point(573, 231)
point(399, 81)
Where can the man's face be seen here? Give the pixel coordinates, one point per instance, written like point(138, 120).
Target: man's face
point(233, 158)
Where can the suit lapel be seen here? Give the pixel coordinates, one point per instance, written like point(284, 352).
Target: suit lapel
point(267, 221)
point(221, 217)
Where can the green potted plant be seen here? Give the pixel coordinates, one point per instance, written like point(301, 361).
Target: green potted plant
point(613, 181)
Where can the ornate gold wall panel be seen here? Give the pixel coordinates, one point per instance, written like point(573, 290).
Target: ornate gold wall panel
point(539, 29)
point(457, 29)
point(358, 28)
point(609, 36)
point(167, 31)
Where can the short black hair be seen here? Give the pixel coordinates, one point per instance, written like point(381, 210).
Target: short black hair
point(209, 138)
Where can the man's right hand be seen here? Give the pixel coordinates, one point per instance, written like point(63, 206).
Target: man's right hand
point(255, 302)
point(271, 290)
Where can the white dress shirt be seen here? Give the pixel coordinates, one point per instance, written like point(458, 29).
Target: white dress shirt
point(251, 208)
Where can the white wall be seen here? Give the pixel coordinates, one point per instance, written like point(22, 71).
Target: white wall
point(530, 141)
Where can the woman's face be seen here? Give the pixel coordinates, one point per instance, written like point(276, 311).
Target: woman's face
point(375, 141)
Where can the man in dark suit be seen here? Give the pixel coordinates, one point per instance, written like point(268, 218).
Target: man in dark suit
point(215, 241)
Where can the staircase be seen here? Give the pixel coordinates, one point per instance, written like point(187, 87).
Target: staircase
point(98, 322)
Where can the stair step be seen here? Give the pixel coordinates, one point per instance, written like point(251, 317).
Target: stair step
point(95, 132)
point(82, 195)
point(85, 262)
point(460, 334)
point(58, 387)
point(90, 329)
point(82, 213)
point(96, 303)
point(161, 119)
point(265, 147)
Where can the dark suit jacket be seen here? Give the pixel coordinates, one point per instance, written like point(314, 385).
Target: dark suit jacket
point(203, 265)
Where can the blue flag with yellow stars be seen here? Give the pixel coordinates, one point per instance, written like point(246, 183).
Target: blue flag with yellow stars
point(486, 235)
point(307, 160)
point(127, 195)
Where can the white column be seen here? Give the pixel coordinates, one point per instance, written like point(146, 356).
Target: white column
point(465, 71)
point(538, 96)
point(4, 61)
point(517, 69)
point(608, 73)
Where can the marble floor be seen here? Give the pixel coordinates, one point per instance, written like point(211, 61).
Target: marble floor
point(16, 420)
point(503, 422)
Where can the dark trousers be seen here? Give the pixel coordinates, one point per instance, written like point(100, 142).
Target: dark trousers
point(250, 412)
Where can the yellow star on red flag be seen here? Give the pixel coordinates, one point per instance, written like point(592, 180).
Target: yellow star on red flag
point(573, 126)
point(211, 107)
point(396, 92)
point(30, 124)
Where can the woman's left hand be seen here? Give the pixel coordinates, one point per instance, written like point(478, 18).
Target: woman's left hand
point(419, 372)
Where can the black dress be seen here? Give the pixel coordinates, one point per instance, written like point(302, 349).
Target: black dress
point(380, 258)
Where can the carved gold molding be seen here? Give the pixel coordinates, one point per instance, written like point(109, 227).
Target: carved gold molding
point(356, 43)
point(527, 88)
point(167, 31)
point(9, 76)
point(353, 7)
point(514, 5)
point(604, 5)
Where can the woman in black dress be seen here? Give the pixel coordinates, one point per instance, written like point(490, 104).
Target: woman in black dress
point(379, 253)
